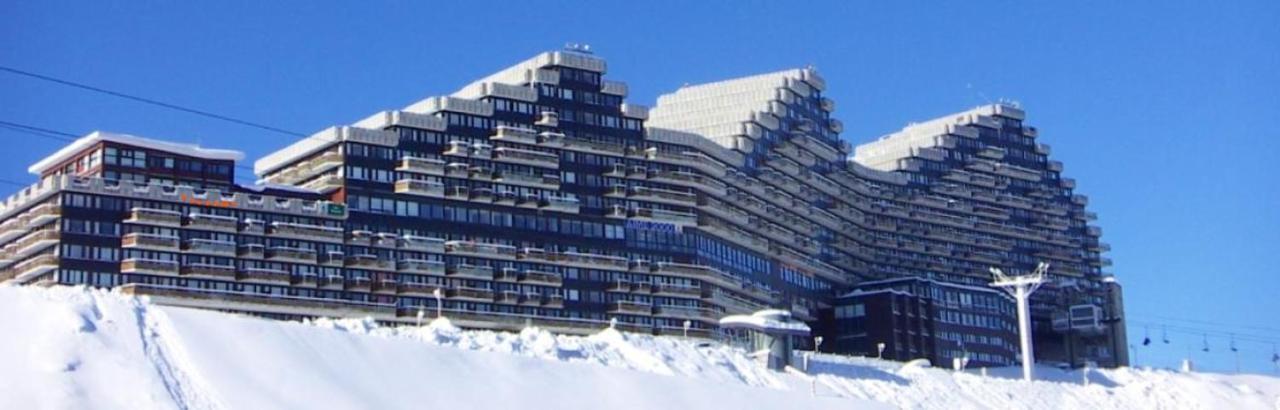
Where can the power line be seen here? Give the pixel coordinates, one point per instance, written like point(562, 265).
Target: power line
point(149, 101)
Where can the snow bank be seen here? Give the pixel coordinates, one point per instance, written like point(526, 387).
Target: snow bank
point(78, 348)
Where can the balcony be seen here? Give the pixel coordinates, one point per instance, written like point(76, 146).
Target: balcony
point(385, 285)
point(422, 244)
point(210, 222)
point(408, 287)
point(138, 240)
point(664, 196)
point(588, 260)
point(305, 280)
point(487, 250)
point(307, 232)
point(667, 289)
point(264, 275)
point(358, 284)
point(42, 214)
point(690, 179)
point(420, 266)
point(289, 254)
point(509, 297)
point(419, 187)
point(526, 157)
point(35, 266)
point(700, 314)
point(421, 166)
point(531, 180)
point(694, 160)
point(32, 243)
point(252, 251)
point(159, 217)
point(663, 215)
point(369, 262)
point(553, 300)
point(254, 226)
point(325, 183)
point(516, 135)
point(548, 119)
point(630, 308)
point(211, 247)
point(535, 277)
point(149, 266)
point(468, 271)
point(212, 271)
point(467, 293)
point(562, 204)
point(333, 281)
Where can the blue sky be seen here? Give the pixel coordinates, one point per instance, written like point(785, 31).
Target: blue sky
point(1163, 111)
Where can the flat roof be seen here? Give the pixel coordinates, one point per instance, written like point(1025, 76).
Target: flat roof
point(190, 150)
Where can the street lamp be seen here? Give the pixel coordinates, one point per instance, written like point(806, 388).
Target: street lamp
point(687, 324)
point(1021, 287)
point(880, 350)
point(439, 303)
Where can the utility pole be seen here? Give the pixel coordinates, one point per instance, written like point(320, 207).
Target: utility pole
point(1021, 287)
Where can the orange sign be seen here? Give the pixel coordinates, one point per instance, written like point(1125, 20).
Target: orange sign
point(206, 202)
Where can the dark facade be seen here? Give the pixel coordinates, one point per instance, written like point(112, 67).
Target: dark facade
point(920, 318)
point(537, 195)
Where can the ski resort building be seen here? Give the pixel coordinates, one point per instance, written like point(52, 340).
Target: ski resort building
point(539, 195)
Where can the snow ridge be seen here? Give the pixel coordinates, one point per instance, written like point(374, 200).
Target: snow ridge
point(82, 348)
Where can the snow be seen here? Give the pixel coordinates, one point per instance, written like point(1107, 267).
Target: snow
point(81, 348)
point(95, 137)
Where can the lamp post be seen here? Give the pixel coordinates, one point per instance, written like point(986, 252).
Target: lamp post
point(687, 324)
point(439, 303)
point(880, 350)
point(1021, 287)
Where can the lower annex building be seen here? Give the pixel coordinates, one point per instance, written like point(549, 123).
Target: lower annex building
point(537, 195)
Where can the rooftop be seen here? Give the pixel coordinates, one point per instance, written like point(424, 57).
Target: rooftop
point(190, 150)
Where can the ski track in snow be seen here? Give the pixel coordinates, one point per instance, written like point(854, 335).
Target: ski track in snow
point(83, 348)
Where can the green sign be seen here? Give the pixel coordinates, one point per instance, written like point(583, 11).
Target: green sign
point(337, 209)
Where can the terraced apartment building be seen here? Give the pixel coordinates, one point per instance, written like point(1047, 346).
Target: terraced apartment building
point(538, 195)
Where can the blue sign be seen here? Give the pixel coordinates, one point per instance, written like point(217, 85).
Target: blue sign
point(653, 226)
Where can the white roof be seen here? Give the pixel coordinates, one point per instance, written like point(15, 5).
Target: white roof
point(190, 150)
point(768, 321)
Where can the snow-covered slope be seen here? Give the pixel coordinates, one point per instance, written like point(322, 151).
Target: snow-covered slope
point(78, 348)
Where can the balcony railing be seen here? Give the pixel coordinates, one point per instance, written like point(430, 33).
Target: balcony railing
point(541, 278)
point(422, 166)
point(420, 188)
point(631, 308)
point(138, 240)
point(288, 254)
point(526, 157)
point(225, 272)
point(420, 266)
point(463, 270)
point(211, 247)
point(151, 216)
point(700, 314)
point(489, 250)
point(150, 266)
point(264, 275)
point(422, 243)
point(371, 262)
point(212, 222)
point(307, 232)
point(592, 260)
point(470, 293)
point(677, 290)
point(663, 215)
